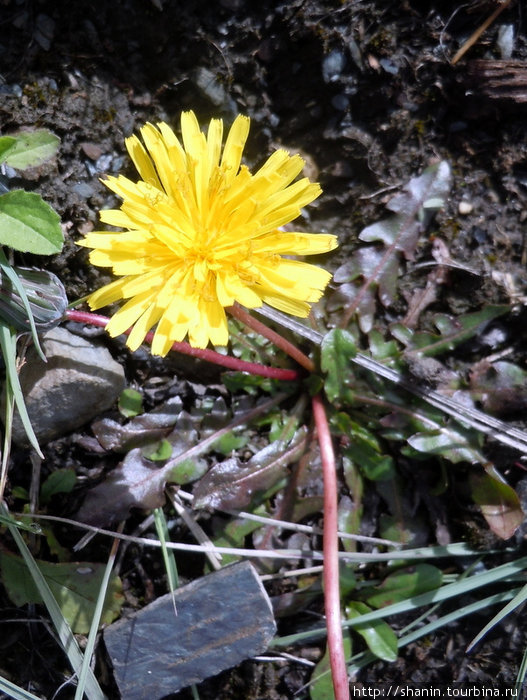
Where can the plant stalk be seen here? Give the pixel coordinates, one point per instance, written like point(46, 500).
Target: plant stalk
point(216, 358)
point(337, 659)
point(245, 317)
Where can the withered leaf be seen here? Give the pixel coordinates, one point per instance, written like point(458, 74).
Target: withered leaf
point(136, 483)
point(141, 430)
point(231, 484)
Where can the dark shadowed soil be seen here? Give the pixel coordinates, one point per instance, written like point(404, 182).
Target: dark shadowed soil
point(366, 93)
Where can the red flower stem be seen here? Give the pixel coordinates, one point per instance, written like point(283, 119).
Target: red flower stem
point(280, 342)
point(203, 354)
point(337, 660)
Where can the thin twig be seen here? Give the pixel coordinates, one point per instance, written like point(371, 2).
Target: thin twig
point(479, 31)
point(337, 660)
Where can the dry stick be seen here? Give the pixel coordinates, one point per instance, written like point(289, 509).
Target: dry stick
point(479, 31)
point(203, 354)
point(337, 660)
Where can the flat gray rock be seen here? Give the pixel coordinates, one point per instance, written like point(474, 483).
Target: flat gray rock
point(222, 619)
point(79, 381)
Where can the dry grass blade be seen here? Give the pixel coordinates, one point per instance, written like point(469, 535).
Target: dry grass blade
point(479, 31)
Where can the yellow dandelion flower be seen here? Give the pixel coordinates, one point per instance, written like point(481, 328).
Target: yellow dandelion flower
point(201, 233)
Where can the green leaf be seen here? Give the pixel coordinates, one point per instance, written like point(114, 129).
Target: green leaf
point(187, 470)
point(377, 634)
point(229, 442)
point(499, 504)
point(6, 143)
point(364, 449)
point(130, 403)
point(29, 148)
point(451, 443)
point(12, 386)
point(452, 331)
point(159, 451)
point(404, 584)
point(337, 349)
point(59, 481)
point(75, 586)
point(321, 685)
point(28, 224)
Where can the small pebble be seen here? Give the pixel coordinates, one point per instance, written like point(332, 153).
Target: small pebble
point(92, 150)
point(465, 208)
point(332, 66)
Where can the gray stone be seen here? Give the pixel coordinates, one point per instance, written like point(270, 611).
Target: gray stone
point(79, 381)
point(221, 619)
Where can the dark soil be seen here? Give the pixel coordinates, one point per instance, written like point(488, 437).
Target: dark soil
point(366, 92)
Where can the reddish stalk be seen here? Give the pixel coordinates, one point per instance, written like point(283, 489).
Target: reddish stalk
point(203, 354)
point(280, 342)
point(337, 660)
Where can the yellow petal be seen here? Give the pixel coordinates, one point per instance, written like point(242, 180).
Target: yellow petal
point(142, 161)
point(294, 243)
point(129, 313)
point(234, 145)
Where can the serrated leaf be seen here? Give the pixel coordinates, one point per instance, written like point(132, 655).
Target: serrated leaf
point(30, 149)
point(499, 504)
point(75, 586)
point(135, 483)
point(141, 429)
point(453, 331)
point(404, 584)
point(377, 634)
point(427, 191)
point(379, 266)
point(28, 224)
point(337, 349)
point(231, 484)
point(321, 684)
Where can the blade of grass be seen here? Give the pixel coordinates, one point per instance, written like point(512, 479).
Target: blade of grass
point(518, 600)
point(13, 389)
point(15, 691)
point(84, 673)
point(8, 430)
point(520, 678)
point(68, 641)
point(168, 554)
point(8, 271)
point(458, 549)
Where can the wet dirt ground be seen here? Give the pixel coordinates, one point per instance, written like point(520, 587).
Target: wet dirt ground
point(366, 92)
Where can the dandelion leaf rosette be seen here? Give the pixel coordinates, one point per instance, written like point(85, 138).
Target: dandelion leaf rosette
point(202, 232)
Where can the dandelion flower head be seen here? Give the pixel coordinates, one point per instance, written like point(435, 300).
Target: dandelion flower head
point(201, 233)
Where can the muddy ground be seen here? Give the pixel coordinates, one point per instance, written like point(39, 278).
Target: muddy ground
point(366, 92)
